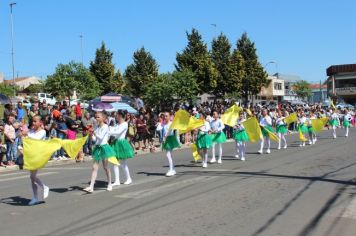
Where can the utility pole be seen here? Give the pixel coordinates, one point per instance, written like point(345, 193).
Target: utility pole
point(12, 46)
point(81, 47)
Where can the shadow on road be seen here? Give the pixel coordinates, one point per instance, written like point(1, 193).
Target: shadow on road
point(17, 201)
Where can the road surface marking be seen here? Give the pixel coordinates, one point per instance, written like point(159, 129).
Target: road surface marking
point(26, 176)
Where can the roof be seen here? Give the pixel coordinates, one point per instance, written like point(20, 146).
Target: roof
point(19, 79)
point(317, 86)
point(345, 68)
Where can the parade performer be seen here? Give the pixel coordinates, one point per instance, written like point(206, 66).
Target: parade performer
point(281, 129)
point(266, 124)
point(101, 152)
point(240, 136)
point(204, 141)
point(302, 128)
point(37, 132)
point(218, 136)
point(311, 132)
point(121, 147)
point(334, 120)
point(170, 141)
point(346, 122)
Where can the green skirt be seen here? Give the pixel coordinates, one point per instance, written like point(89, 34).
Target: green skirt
point(334, 122)
point(171, 143)
point(264, 131)
point(346, 123)
point(282, 129)
point(204, 141)
point(102, 152)
point(310, 129)
point(219, 137)
point(240, 136)
point(303, 128)
point(123, 149)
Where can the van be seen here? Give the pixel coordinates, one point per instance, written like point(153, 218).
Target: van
point(50, 99)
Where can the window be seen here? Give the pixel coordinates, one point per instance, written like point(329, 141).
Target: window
point(277, 86)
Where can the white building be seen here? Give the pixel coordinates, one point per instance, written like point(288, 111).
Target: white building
point(274, 92)
point(23, 82)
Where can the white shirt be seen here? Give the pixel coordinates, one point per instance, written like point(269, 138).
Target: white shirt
point(119, 131)
point(265, 121)
point(302, 120)
point(348, 117)
point(166, 130)
point(239, 124)
point(40, 135)
point(217, 125)
point(280, 120)
point(101, 135)
point(205, 128)
point(334, 116)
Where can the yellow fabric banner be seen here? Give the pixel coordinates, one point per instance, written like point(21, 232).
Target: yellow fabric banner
point(319, 124)
point(272, 135)
point(231, 115)
point(181, 120)
point(194, 123)
point(38, 152)
point(302, 137)
point(72, 147)
point(113, 160)
point(253, 129)
point(195, 152)
point(291, 118)
point(332, 103)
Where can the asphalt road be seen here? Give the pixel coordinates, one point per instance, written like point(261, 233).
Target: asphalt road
point(298, 191)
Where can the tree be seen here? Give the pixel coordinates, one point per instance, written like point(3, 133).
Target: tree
point(103, 69)
point(236, 74)
point(302, 89)
point(70, 77)
point(118, 83)
point(196, 58)
point(185, 86)
point(35, 88)
point(255, 77)
point(161, 94)
point(221, 57)
point(7, 90)
point(142, 73)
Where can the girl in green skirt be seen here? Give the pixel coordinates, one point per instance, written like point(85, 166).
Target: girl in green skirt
point(240, 136)
point(302, 127)
point(204, 141)
point(266, 124)
point(334, 121)
point(218, 136)
point(312, 134)
point(122, 147)
point(281, 129)
point(347, 121)
point(170, 142)
point(101, 152)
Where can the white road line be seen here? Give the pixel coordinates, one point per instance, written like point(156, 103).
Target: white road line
point(164, 187)
point(16, 173)
point(68, 168)
point(26, 176)
point(350, 211)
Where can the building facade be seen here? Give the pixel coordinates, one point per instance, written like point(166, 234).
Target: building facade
point(274, 92)
point(289, 81)
point(319, 93)
point(23, 82)
point(341, 82)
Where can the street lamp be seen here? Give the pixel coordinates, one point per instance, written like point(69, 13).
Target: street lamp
point(272, 62)
point(81, 47)
point(12, 46)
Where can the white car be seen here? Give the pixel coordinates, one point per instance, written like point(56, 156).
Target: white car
point(83, 104)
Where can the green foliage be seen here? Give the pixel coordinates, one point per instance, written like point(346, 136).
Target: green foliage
point(255, 77)
point(302, 89)
point(142, 73)
point(35, 88)
point(103, 69)
point(185, 86)
point(196, 58)
point(8, 90)
point(118, 83)
point(70, 77)
point(160, 94)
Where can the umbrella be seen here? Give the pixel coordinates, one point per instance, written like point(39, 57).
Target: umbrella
point(4, 99)
point(101, 106)
point(123, 106)
point(111, 97)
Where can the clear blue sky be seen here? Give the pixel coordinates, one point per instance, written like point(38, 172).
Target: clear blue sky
point(303, 37)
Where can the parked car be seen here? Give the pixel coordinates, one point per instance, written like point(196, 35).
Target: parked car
point(83, 104)
point(50, 99)
point(344, 105)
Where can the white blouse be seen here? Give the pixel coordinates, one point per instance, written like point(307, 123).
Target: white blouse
point(265, 121)
point(101, 135)
point(119, 130)
point(217, 125)
point(205, 128)
point(40, 135)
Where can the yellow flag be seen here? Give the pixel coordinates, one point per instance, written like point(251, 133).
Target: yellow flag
point(249, 112)
point(72, 147)
point(319, 124)
point(272, 135)
point(291, 118)
point(38, 152)
point(332, 103)
point(301, 136)
point(195, 152)
point(231, 115)
point(113, 160)
point(181, 120)
point(253, 129)
point(194, 123)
